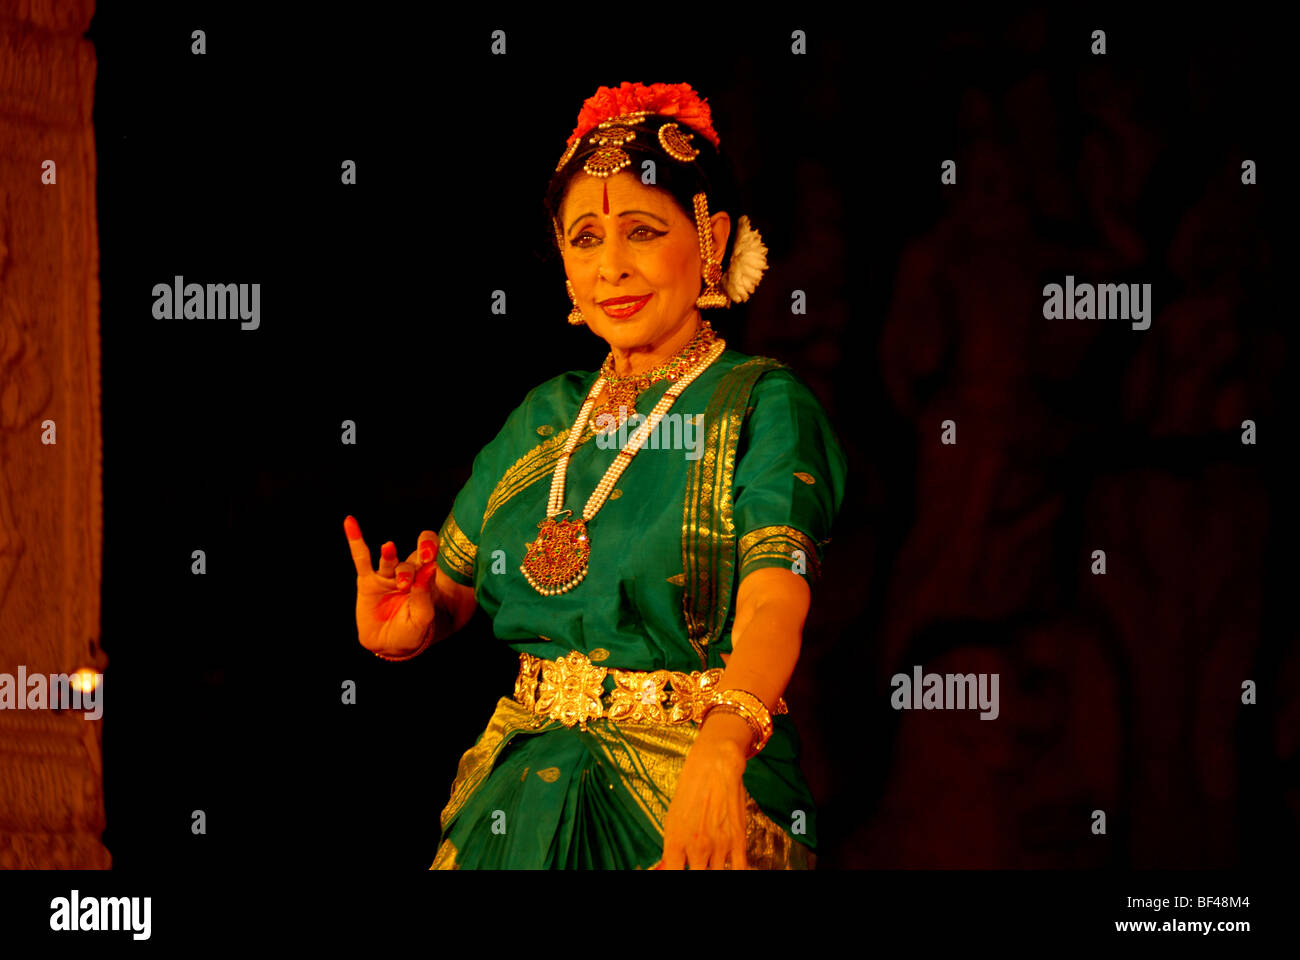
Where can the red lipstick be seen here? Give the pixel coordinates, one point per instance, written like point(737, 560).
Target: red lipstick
point(620, 308)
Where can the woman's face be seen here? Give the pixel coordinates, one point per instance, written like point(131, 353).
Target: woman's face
point(625, 241)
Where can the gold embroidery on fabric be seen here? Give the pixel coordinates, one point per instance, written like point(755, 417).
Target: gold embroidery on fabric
point(537, 464)
point(768, 847)
point(697, 532)
point(456, 549)
point(615, 494)
point(778, 541)
point(678, 579)
point(708, 531)
point(445, 858)
point(571, 689)
point(599, 654)
point(807, 478)
point(508, 719)
point(550, 774)
point(545, 430)
point(524, 776)
point(649, 762)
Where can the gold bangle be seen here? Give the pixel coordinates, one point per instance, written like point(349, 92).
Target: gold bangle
point(750, 709)
point(755, 729)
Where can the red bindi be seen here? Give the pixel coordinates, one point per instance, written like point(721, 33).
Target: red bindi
point(607, 198)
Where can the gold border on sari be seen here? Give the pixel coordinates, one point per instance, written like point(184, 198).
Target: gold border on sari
point(456, 549)
point(778, 541)
point(537, 464)
point(647, 761)
point(445, 858)
point(476, 763)
point(708, 531)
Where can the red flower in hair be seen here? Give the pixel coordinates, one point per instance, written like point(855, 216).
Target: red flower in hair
point(669, 99)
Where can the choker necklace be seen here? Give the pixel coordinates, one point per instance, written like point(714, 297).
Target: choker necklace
point(622, 392)
point(556, 561)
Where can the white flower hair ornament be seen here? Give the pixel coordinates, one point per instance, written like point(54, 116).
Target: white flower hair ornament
point(748, 261)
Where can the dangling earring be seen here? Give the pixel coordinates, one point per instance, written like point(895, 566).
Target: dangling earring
point(712, 296)
point(575, 315)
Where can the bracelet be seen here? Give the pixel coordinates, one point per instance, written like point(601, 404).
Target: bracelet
point(424, 645)
point(750, 709)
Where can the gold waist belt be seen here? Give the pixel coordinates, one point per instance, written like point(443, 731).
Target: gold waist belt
point(572, 691)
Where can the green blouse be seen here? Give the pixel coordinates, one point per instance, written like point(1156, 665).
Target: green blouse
point(756, 481)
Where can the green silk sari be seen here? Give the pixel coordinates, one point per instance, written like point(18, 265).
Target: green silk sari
point(756, 483)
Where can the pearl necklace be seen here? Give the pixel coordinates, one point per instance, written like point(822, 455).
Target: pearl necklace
point(556, 561)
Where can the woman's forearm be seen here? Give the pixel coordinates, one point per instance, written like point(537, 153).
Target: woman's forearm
point(772, 605)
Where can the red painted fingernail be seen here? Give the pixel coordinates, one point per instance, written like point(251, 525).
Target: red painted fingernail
point(403, 581)
point(352, 528)
point(389, 551)
point(426, 551)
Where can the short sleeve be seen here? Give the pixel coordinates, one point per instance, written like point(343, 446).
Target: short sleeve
point(789, 479)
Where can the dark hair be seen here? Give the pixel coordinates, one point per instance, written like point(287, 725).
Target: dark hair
point(710, 172)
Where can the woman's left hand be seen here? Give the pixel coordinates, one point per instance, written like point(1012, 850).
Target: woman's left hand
point(705, 824)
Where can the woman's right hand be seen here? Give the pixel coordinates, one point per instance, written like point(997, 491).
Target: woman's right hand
point(395, 606)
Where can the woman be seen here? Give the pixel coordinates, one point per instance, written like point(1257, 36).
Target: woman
point(652, 575)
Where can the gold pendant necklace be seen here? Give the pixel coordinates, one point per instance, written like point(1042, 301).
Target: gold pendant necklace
point(622, 392)
point(556, 561)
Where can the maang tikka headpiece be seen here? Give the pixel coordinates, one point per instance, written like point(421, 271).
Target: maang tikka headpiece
point(612, 117)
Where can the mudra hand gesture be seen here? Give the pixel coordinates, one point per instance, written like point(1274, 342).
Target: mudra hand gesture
point(396, 605)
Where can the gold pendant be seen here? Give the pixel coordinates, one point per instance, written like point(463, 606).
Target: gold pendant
point(619, 403)
point(556, 561)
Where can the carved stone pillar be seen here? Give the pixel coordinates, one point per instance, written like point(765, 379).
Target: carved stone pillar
point(51, 783)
